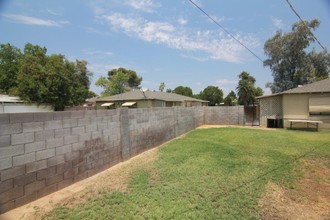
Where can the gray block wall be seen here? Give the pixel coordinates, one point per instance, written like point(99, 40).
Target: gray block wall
point(41, 153)
point(225, 115)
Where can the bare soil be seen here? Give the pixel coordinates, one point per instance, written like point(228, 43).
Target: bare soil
point(310, 198)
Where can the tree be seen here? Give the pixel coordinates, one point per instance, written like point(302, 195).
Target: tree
point(212, 94)
point(162, 86)
point(290, 63)
point(91, 94)
point(246, 90)
point(115, 85)
point(133, 81)
point(231, 99)
point(169, 90)
point(258, 92)
point(9, 66)
point(118, 81)
point(183, 90)
point(51, 79)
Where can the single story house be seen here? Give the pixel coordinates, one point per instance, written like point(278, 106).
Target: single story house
point(147, 99)
point(13, 104)
point(307, 102)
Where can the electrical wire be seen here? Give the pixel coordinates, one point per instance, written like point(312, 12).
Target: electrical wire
point(294, 11)
point(219, 25)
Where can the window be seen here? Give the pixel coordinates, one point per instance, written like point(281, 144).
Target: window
point(319, 105)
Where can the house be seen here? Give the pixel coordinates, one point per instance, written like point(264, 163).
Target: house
point(147, 99)
point(12, 104)
point(308, 102)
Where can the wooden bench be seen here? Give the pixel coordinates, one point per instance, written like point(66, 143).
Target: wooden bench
point(315, 123)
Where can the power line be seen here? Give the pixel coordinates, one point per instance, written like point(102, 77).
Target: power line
point(292, 8)
point(219, 25)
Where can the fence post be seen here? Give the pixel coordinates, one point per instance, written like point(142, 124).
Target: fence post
point(124, 134)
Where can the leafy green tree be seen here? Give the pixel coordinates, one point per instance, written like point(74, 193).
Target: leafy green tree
point(105, 84)
point(212, 94)
point(319, 64)
point(9, 66)
point(231, 99)
point(51, 79)
point(116, 85)
point(119, 80)
point(32, 75)
point(183, 90)
point(162, 86)
point(133, 81)
point(246, 90)
point(91, 94)
point(289, 60)
point(258, 92)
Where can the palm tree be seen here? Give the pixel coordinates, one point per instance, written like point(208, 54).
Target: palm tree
point(246, 89)
point(162, 86)
point(245, 92)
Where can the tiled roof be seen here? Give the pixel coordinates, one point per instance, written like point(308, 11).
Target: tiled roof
point(139, 95)
point(315, 87)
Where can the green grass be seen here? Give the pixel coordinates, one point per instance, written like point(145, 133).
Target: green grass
point(208, 174)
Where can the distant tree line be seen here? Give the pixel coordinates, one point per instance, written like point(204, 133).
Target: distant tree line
point(246, 92)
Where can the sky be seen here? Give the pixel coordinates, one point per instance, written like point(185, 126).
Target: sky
point(168, 41)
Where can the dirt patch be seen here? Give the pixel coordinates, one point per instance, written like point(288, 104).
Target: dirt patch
point(310, 199)
point(113, 179)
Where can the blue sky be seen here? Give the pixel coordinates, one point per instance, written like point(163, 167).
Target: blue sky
point(163, 41)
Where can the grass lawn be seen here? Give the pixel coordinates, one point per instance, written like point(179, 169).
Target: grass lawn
point(217, 173)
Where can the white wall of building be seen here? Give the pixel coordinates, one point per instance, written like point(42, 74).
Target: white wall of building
point(24, 107)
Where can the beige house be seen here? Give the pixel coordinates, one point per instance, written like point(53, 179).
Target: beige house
point(147, 99)
point(307, 102)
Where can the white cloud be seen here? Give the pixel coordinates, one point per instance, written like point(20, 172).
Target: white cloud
point(143, 5)
point(28, 20)
point(278, 23)
point(216, 46)
point(182, 21)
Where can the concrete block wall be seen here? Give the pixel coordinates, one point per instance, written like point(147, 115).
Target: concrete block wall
point(41, 153)
point(225, 115)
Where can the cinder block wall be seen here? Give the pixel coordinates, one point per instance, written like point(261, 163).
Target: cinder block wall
point(41, 153)
point(225, 115)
